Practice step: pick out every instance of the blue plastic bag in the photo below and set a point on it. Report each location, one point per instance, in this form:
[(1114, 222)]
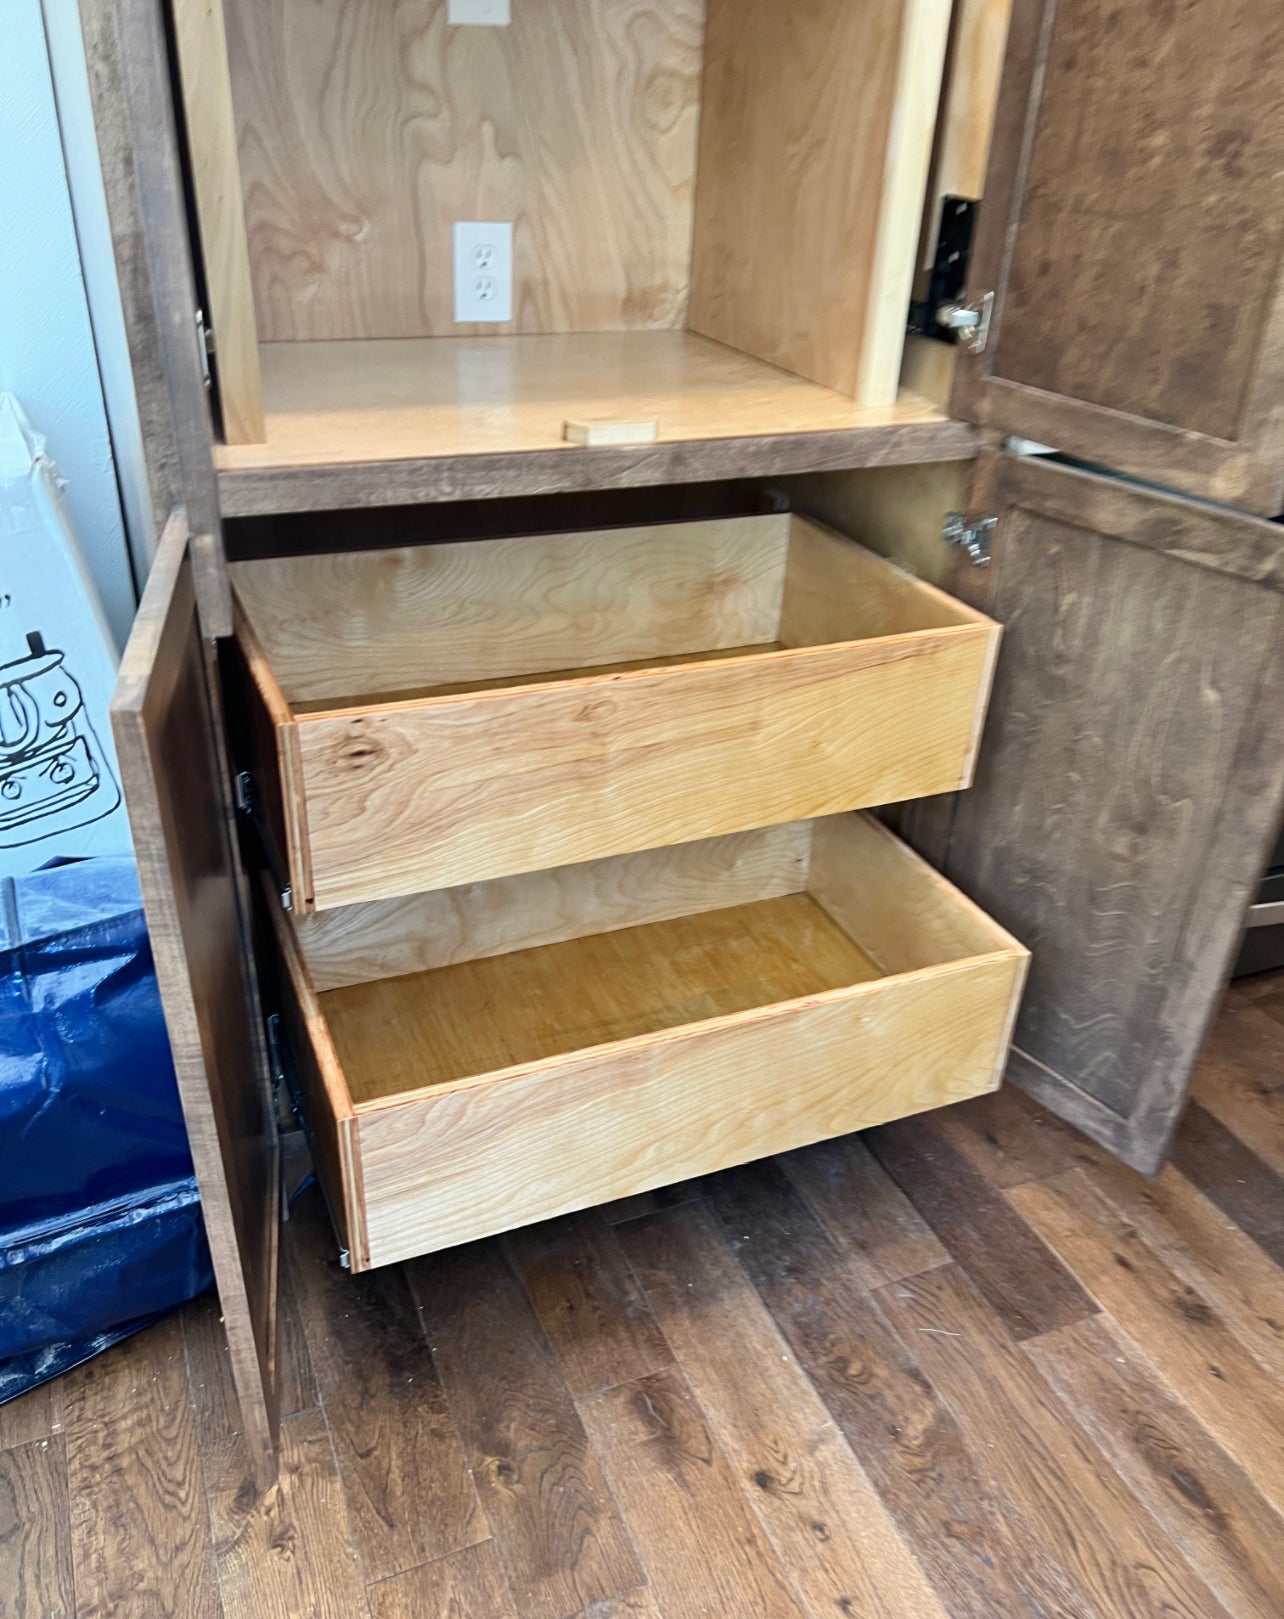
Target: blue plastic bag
[(100, 1223)]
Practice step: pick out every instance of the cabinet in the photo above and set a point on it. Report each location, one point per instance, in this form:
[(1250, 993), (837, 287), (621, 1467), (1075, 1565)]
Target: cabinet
[(562, 653)]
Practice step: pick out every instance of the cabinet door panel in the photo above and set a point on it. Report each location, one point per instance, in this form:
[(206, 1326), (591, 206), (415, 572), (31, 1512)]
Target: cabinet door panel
[(168, 742), (1129, 783), (1132, 231)]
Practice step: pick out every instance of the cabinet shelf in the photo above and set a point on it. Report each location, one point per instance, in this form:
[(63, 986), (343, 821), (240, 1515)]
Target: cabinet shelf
[(385, 422)]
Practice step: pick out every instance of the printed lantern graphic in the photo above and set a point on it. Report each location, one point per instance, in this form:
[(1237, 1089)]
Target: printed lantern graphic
[(53, 773)]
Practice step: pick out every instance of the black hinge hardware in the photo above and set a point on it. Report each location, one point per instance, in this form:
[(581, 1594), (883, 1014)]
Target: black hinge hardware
[(970, 534), (941, 313)]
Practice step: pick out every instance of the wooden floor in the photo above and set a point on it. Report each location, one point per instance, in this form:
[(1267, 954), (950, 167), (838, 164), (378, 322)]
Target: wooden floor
[(964, 1365)]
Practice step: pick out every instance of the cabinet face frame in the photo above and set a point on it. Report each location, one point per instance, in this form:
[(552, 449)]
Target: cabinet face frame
[(1246, 469)]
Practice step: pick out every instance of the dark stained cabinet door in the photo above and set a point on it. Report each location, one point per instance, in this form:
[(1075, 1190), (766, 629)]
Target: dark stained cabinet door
[(1130, 779), (171, 761), (1132, 232)]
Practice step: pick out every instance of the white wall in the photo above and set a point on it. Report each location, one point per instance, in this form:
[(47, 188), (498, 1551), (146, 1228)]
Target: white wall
[(47, 352)]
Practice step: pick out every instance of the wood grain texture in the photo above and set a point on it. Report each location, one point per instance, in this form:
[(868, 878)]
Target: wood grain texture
[(589, 1302), (1024, 1284), (819, 1510), (35, 1533), (453, 790), (468, 1584), (484, 418), (1239, 1076), (365, 135), (400, 1035), (106, 72), (386, 938), (167, 742), (405, 1479), (140, 1535), (1196, 1493), (1119, 1560), (1129, 783), (1007, 1138), (1192, 1348), (1183, 140), (32, 1416), (441, 1168), (665, 1465), (138, 50), (863, 1211), (468, 1077), (1245, 1188), (971, 1539), (210, 126), (833, 106), (287, 1549), (973, 64), (485, 610), (557, 1533)]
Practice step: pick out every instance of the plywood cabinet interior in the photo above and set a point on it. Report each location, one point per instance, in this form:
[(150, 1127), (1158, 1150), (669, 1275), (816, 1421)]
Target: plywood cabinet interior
[(755, 174)]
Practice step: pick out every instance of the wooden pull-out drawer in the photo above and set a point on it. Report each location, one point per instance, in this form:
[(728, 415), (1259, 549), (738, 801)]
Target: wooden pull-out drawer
[(478, 1058), (447, 714)]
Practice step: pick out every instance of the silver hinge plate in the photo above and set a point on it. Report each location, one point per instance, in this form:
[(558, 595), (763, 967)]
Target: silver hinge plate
[(970, 534), (204, 347), (970, 321), (244, 786)]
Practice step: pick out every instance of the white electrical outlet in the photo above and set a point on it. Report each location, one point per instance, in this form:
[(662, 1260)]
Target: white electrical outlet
[(489, 13), (483, 271)]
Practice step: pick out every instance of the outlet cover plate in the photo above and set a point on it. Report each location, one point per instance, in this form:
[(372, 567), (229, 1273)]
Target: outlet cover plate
[(483, 271), (488, 13)]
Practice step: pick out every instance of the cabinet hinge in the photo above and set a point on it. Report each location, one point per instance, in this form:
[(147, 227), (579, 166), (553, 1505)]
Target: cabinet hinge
[(970, 534), (204, 347), (244, 789), (970, 322)]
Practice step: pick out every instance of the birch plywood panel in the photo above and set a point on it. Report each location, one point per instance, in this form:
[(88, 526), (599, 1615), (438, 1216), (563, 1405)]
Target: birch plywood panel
[(366, 131), (815, 136)]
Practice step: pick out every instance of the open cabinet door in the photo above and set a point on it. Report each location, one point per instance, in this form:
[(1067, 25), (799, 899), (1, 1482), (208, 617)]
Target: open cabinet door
[(1132, 233), (1130, 779), (167, 740)]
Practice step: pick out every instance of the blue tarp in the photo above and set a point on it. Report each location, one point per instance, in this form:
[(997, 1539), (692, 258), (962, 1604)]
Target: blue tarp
[(100, 1223)]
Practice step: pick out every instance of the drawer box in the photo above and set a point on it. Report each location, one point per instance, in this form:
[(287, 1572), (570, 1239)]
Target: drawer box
[(475, 1059), (446, 714)]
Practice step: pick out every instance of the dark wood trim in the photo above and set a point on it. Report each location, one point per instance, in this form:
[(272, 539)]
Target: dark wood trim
[(541, 472), (128, 53), (1247, 471), (173, 770)]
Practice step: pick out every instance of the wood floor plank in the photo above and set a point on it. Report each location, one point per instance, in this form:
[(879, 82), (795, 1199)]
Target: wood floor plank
[(970, 1539), (140, 1535), (1171, 1323), (1204, 1501), (35, 1415), (821, 1513), (1082, 1511), (285, 1551), (639, 1604), (1241, 1184), (1265, 991), (1196, 1240), (689, 1519), (1006, 1136), (467, 1584), (403, 1470), (557, 1533), (35, 1532), (864, 1210), (1240, 1080), (640, 1203), (296, 1381), (588, 1300), (1025, 1284)]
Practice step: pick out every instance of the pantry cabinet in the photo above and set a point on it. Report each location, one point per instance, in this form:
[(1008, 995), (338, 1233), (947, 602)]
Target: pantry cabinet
[(518, 709)]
